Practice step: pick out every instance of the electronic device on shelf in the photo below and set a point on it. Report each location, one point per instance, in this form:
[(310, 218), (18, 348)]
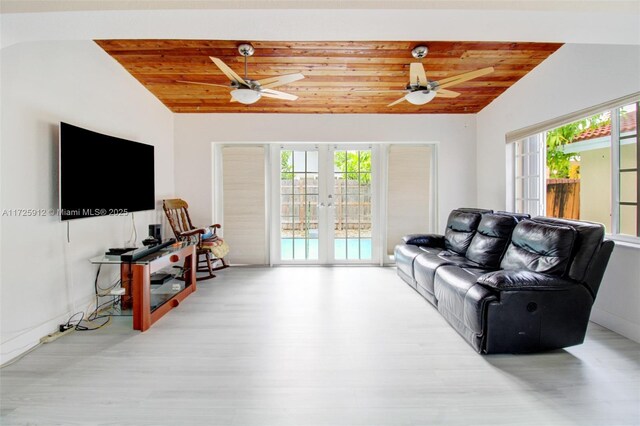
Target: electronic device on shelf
[(120, 250), (160, 278), (115, 253), (150, 242), (155, 235), (132, 256), (155, 231)]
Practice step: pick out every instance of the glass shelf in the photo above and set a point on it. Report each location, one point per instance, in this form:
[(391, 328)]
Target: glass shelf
[(162, 293), (145, 301)]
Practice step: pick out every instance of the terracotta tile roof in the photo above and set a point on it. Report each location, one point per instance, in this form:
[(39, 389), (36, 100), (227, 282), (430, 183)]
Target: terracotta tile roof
[(627, 124)]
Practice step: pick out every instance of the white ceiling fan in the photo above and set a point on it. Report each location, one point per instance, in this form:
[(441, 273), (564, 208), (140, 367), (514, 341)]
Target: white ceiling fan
[(246, 90), (420, 90)]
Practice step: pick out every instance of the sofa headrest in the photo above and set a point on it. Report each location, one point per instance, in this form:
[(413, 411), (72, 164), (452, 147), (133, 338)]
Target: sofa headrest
[(518, 216), (491, 240), (473, 210), (497, 225), (589, 237), (539, 247), (461, 227), (463, 220)]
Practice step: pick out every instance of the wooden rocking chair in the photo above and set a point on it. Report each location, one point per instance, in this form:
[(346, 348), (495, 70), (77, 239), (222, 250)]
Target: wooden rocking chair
[(209, 246)]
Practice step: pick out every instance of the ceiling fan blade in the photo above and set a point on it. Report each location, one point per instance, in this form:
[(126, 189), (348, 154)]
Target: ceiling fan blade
[(457, 79), (203, 84), (231, 74), (396, 102), (268, 93), (444, 93), (268, 83), (379, 91), (417, 75)]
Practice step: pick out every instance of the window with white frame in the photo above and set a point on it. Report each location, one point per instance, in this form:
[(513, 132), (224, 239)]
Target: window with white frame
[(529, 180), (585, 169)]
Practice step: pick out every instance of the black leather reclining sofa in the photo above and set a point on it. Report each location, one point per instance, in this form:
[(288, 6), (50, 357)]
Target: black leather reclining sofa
[(506, 282)]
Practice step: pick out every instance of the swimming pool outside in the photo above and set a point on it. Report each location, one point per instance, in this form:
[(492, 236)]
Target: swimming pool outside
[(344, 249)]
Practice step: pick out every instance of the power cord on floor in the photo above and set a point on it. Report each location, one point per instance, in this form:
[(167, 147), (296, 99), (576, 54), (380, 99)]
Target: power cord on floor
[(83, 324)]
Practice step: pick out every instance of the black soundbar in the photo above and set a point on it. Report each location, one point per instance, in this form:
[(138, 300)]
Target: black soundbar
[(132, 256)]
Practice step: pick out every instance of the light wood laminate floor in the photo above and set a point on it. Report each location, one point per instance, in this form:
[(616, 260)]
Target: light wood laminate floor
[(314, 346)]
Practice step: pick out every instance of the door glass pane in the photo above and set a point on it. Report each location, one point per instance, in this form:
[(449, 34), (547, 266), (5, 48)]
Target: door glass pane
[(340, 248), (299, 212), (299, 249), (286, 248), (352, 204), (353, 248), (365, 248), (299, 161)]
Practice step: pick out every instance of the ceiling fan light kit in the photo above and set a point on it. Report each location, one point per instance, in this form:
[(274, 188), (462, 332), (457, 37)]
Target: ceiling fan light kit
[(420, 97), (246, 96)]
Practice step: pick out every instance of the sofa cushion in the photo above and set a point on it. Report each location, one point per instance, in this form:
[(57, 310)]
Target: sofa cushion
[(539, 247), (588, 239), (405, 255), (458, 294), (491, 239), (461, 227), (425, 266)]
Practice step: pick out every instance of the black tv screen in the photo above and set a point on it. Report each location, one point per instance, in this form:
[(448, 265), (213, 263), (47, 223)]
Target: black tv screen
[(103, 175)]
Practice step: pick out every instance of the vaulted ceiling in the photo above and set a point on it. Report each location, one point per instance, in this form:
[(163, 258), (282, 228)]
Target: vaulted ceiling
[(336, 73)]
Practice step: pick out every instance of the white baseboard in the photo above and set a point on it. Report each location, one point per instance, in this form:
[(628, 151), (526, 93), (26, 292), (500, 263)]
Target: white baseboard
[(616, 324), (25, 340)]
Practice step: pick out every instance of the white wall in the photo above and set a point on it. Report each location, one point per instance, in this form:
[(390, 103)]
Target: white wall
[(573, 78), (194, 134), (44, 279), (604, 22)]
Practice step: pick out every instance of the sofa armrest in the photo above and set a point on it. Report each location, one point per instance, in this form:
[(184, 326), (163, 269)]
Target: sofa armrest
[(524, 280), (428, 240)]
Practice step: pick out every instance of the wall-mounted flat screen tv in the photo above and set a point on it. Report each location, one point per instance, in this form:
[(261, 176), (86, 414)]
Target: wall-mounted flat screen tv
[(103, 175)]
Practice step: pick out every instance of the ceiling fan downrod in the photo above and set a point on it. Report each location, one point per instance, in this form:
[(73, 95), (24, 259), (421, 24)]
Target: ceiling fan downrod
[(246, 50)]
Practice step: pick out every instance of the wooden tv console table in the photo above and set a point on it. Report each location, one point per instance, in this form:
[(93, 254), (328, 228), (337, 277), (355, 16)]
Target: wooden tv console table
[(148, 301)]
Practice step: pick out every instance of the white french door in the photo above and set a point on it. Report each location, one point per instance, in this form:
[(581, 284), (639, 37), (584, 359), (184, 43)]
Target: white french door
[(324, 204)]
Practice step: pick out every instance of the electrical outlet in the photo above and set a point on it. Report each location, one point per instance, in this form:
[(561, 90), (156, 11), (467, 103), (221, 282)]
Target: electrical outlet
[(55, 336)]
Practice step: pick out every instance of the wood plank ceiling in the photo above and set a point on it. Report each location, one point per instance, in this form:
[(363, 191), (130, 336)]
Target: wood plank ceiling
[(334, 72)]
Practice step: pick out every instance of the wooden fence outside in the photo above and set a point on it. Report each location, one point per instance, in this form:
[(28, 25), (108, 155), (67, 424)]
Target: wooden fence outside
[(563, 198), (348, 204)]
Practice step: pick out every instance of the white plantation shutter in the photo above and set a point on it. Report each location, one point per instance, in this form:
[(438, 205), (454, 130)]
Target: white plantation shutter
[(408, 192), (243, 169)]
